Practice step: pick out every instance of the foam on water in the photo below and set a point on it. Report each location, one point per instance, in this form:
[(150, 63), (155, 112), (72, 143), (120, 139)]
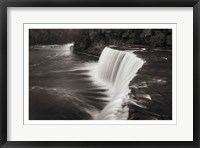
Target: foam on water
[(116, 69), (113, 72)]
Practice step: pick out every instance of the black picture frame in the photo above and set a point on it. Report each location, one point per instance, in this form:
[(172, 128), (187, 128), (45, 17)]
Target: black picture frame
[(4, 4)]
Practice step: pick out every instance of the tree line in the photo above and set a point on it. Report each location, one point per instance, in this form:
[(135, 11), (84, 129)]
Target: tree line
[(88, 38)]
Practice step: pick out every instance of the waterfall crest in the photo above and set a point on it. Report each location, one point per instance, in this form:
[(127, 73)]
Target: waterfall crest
[(116, 69)]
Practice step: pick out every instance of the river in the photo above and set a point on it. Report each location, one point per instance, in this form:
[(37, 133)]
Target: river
[(63, 85)]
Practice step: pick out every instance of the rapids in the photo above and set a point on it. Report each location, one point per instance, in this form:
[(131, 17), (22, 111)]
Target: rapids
[(133, 84)]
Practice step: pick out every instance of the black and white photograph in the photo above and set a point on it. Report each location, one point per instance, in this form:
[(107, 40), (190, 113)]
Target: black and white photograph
[(100, 74)]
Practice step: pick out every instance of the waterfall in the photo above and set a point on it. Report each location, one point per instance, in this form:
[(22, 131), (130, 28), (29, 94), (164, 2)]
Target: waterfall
[(116, 69), (70, 46)]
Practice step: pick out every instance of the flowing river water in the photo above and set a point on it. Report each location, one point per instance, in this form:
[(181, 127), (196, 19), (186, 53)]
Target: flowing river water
[(65, 85)]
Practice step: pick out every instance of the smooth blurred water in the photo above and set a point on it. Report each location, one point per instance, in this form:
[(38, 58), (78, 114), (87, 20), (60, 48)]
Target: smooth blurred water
[(116, 69), (62, 85)]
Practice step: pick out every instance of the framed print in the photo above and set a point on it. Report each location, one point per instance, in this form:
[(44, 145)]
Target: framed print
[(104, 73)]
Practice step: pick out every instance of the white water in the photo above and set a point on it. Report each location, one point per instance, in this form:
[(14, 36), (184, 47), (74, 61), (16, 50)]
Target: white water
[(88, 85), (116, 69)]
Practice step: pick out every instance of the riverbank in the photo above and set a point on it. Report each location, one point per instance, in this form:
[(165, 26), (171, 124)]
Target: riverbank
[(96, 51)]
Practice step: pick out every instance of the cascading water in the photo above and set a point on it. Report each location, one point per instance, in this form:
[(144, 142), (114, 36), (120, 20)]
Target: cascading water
[(70, 46), (116, 69), (67, 85)]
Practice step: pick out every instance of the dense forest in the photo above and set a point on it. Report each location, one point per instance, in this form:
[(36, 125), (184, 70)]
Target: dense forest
[(94, 39)]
